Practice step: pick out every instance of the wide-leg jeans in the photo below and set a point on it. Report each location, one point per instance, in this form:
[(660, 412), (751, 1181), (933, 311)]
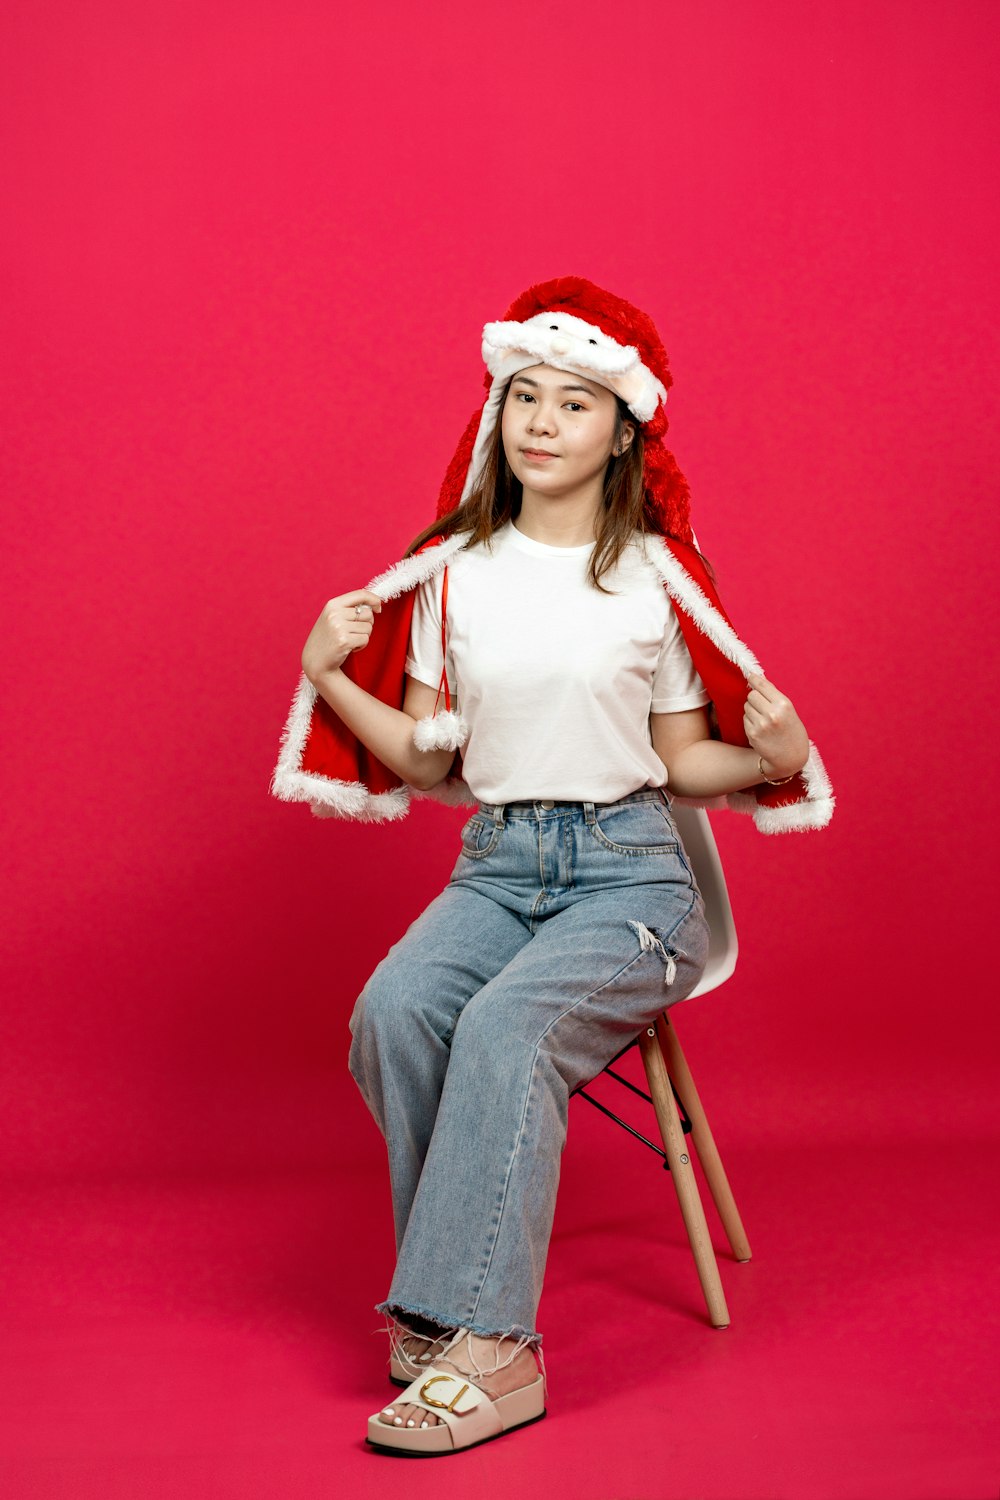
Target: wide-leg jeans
[(565, 927)]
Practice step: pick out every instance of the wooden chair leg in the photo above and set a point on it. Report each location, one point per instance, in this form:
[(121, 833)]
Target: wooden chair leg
[(704, 1143), (682, 1171)]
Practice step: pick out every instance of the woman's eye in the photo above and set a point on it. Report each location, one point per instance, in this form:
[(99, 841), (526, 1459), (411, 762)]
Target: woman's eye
[(577, 404)]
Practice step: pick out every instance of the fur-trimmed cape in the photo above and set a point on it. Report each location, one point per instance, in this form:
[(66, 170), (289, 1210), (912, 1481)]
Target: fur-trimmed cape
[(323, 763)]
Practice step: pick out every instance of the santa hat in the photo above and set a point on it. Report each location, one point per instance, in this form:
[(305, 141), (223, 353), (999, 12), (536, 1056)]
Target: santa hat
[(573, 325)]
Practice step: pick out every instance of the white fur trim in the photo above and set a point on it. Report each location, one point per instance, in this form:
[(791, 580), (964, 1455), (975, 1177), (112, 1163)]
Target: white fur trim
[(487, 422), (794, 817), (285, 779), (695, 602), (416, 568), (570, 343), (351, 799), (443, 731), (812, 811), (326, 796), (815, 809)]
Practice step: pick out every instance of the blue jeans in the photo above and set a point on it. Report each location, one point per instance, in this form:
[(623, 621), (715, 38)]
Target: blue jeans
[(565, 927)]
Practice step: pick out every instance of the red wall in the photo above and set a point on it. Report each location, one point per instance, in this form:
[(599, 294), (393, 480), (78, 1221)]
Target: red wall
[(250, 251)]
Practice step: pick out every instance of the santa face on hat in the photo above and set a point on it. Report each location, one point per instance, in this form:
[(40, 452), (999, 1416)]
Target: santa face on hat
[(574, 344), (560, 430)]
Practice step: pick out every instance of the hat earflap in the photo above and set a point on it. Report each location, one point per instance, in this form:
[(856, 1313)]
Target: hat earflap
[(453, 486), (666, 485)]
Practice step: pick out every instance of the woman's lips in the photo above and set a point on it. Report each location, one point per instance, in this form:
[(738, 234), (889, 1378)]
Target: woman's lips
[(537, 454)]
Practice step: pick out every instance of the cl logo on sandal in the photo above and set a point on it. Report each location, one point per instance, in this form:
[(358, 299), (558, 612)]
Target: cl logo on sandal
[(433, 1401)]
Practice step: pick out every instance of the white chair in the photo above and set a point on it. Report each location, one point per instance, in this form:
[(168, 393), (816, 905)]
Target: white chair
[(671, 1085)]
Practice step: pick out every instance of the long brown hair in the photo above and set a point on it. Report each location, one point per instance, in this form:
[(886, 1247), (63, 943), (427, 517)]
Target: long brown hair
[(496, 500)]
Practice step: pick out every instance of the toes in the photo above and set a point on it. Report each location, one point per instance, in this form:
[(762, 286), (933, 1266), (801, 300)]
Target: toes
[(403, 1414)]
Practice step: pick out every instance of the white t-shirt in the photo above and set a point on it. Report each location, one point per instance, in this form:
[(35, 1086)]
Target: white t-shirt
[(555, 679)]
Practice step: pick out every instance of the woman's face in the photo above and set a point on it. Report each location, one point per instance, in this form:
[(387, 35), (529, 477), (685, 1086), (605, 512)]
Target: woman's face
[(557, 429)]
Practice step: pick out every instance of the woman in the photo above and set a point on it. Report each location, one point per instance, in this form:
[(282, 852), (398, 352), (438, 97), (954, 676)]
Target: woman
[(560, 602)]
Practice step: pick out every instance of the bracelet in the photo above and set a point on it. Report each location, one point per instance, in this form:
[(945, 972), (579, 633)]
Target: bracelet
[(760, 767)]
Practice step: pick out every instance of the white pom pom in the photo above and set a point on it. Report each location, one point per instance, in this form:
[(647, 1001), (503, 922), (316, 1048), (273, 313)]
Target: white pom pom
[(443, 731)]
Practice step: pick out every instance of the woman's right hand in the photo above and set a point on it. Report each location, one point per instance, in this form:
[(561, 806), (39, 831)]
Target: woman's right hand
[(340, 629)]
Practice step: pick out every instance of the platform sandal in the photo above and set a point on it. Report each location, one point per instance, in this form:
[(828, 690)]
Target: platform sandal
[(467, 1416)]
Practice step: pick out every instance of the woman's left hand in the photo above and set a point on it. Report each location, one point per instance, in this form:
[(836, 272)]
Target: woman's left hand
[(774, 729)]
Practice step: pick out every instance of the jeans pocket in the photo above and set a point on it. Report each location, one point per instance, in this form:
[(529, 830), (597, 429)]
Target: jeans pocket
[(480, 837), (635, 828)]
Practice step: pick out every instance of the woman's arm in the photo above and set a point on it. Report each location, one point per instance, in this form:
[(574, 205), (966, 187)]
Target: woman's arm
[(387, 731), (698, 766), (345, 624)]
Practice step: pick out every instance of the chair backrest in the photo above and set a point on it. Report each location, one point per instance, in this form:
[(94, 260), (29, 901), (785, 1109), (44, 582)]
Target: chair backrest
[(699, 845)]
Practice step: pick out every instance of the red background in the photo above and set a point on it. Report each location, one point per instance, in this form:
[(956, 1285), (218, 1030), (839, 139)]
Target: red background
[(249, 254)]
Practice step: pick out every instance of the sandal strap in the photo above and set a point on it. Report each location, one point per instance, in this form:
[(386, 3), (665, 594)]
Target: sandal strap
[(454, 1399)]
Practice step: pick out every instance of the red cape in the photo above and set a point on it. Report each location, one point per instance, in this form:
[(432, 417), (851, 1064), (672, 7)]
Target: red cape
[(323, 763)]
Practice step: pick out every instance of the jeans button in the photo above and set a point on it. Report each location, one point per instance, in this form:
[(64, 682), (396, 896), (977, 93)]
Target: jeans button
[(547, 804)]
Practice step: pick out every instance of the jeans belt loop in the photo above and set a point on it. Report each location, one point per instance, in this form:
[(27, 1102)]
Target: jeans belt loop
[(588, 812)]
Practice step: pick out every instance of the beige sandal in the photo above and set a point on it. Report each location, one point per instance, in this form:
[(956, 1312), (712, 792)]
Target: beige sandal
[(467, 1415)]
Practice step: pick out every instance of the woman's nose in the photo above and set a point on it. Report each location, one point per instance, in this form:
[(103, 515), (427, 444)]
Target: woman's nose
[(542, 419)]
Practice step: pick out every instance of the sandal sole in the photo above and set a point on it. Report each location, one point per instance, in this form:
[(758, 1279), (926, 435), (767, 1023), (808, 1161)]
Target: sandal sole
[(435, 1442), (426, 1452)]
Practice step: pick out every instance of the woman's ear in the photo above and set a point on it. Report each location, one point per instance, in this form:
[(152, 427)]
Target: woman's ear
[(625, 441)]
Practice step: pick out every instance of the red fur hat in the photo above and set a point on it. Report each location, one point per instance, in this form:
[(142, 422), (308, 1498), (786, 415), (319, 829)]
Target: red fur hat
[(573, 325)]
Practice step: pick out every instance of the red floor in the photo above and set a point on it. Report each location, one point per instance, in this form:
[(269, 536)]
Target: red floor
[(215, 1338)]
